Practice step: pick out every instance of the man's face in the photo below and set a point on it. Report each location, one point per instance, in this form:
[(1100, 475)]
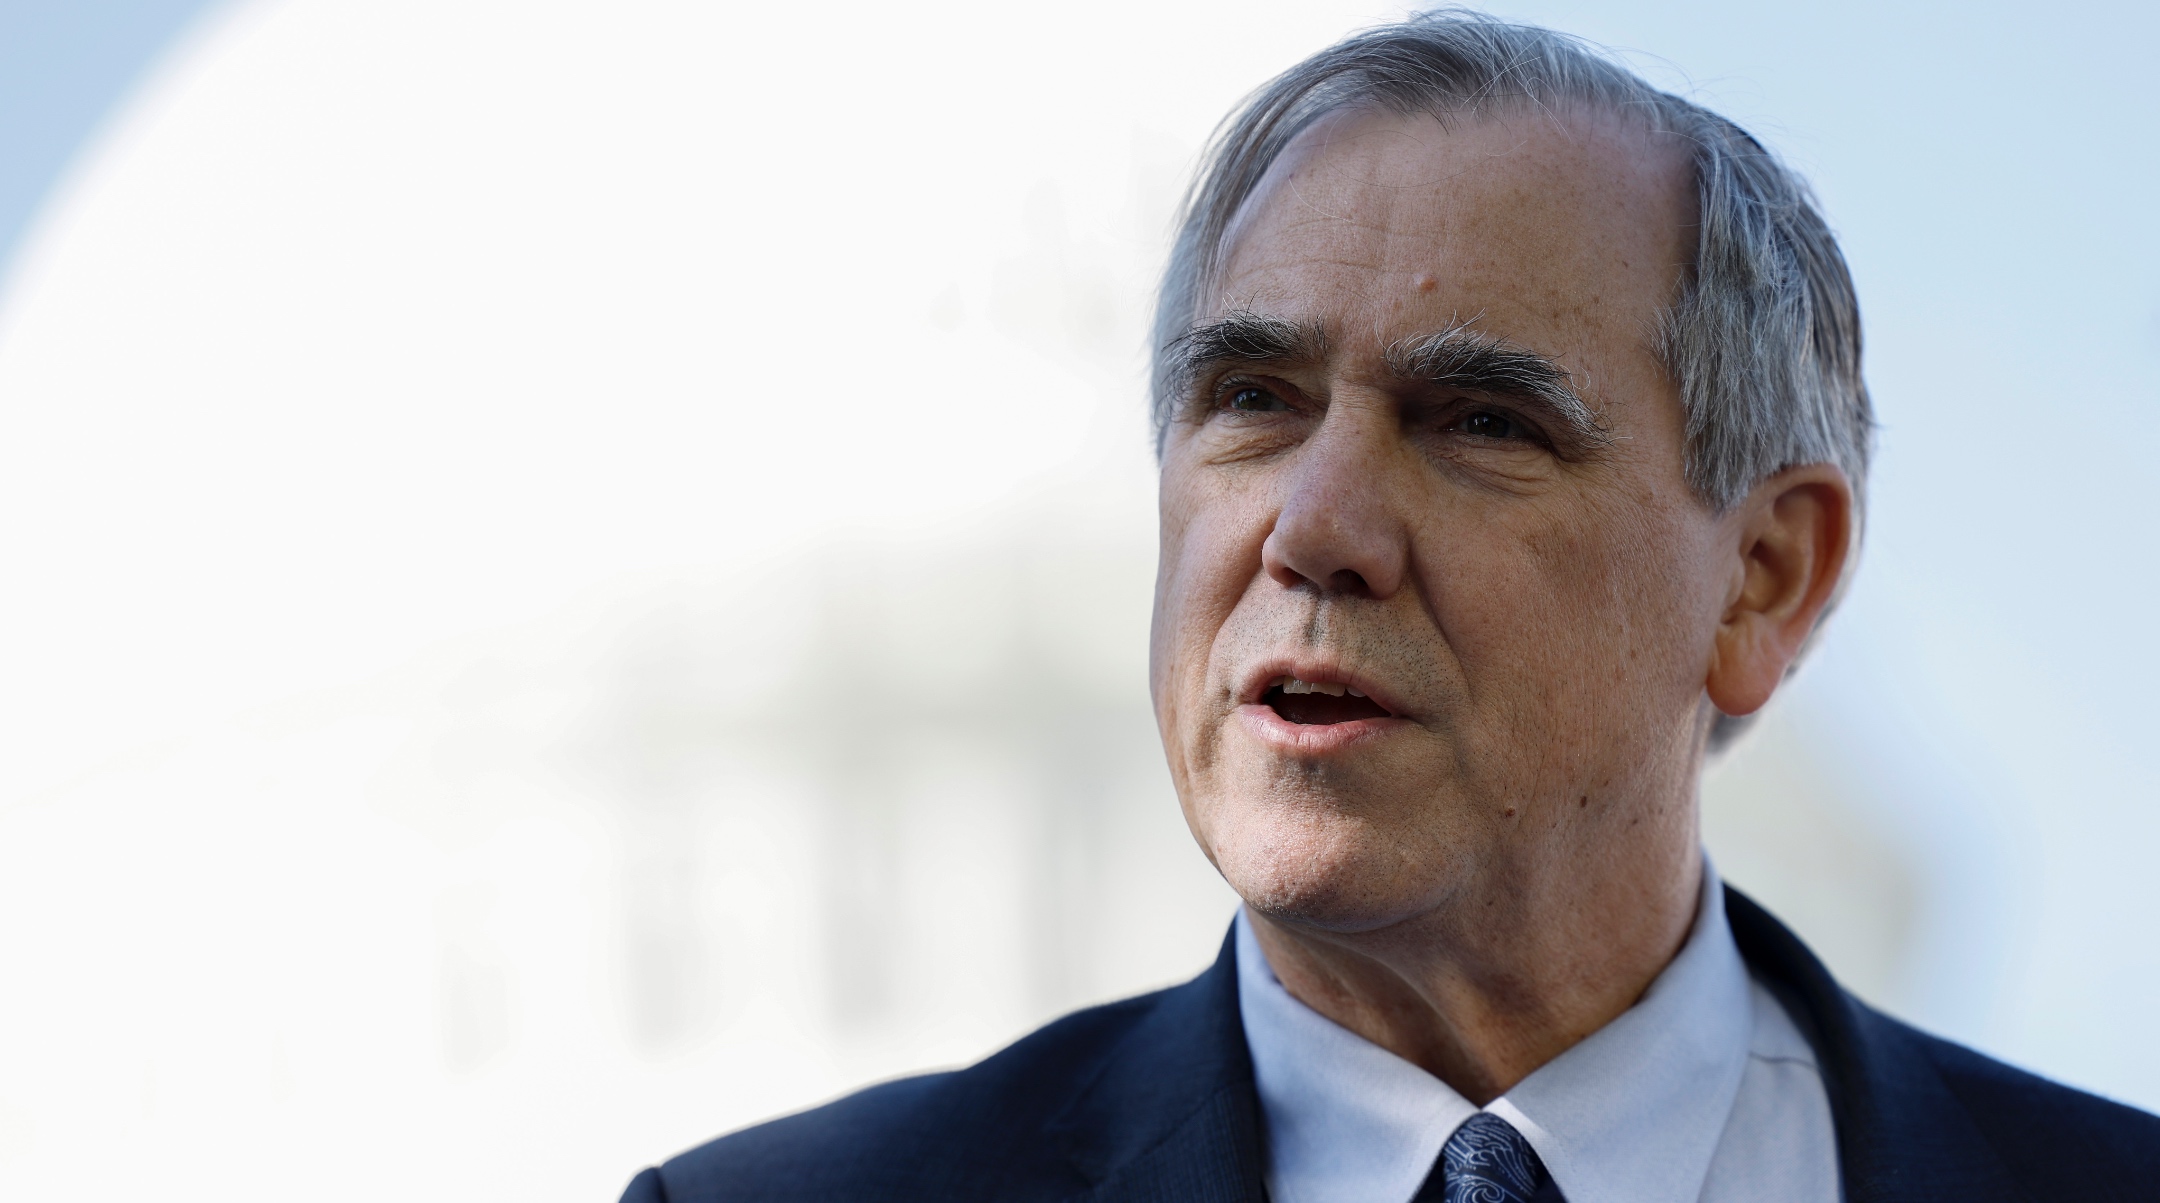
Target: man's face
[(1522, 587)]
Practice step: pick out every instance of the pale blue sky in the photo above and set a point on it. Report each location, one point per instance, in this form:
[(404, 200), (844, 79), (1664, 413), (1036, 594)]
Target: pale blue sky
[(63, 64)]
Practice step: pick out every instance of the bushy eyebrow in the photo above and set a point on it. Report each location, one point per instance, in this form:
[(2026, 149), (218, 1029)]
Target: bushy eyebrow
[(1457, 357), (1242, 337), (1460, 357)]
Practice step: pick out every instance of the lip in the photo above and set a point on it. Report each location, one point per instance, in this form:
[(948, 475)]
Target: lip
[(1253, 683), (1312, 739)]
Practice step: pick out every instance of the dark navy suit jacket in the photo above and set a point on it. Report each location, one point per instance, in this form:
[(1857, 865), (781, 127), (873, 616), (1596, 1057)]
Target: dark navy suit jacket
[(1153, 1099)]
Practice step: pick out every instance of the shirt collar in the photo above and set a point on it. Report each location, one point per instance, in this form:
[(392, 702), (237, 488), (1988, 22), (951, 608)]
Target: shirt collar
[(1633, 1113)]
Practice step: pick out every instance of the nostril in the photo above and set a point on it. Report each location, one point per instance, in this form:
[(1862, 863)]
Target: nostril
[(1349, 582)]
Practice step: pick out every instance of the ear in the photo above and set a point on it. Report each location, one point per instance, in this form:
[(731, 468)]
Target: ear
[(1791, 537)]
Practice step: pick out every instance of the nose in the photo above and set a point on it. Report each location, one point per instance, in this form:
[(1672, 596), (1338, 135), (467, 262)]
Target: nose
[(1336, 530)]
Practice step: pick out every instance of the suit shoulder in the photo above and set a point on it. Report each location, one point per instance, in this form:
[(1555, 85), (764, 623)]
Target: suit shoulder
[(2059, 1141), (935, 1136)]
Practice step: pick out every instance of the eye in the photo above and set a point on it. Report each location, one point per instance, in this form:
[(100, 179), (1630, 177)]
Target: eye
[(1486, 424), (1250, 399)]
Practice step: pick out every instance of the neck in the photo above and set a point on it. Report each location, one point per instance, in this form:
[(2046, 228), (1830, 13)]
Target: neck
[(1513, 970)]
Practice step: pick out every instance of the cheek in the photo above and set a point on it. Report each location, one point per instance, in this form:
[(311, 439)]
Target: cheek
[(1572, 621), (1208, 553)]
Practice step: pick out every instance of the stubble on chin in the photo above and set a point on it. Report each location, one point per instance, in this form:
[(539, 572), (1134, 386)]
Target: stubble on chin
[(1304, 855)]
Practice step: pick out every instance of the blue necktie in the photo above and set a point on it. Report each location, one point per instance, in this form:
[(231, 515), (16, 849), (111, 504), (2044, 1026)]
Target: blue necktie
[(1488, 1161)]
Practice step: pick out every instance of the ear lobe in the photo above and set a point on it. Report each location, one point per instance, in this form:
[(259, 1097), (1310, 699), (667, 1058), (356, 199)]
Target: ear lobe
[(1793, 534)]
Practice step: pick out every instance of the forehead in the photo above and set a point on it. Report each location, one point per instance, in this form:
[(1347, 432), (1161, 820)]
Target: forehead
[(1557, 231)]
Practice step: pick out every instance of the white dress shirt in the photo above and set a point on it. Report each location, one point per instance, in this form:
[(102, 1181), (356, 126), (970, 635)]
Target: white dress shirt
[(1702, 1092)]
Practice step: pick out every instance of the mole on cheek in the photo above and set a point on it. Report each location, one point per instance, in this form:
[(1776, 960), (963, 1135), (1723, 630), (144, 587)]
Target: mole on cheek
[(1426, 282)]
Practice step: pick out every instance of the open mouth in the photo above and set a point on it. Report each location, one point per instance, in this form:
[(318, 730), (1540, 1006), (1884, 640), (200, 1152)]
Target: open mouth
[(1319, 703)]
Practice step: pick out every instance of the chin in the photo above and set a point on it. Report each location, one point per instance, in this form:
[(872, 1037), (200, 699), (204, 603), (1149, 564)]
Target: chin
[(1330, 871)]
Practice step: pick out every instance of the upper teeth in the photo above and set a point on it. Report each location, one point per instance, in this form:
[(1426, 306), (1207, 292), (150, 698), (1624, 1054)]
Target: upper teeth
[(1330, 688)]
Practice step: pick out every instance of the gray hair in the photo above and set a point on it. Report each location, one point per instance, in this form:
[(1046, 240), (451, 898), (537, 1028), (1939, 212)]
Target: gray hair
[(1764, 340)]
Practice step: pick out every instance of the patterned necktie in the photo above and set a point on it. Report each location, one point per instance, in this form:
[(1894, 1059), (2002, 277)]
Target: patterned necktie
[(1488, 1161)]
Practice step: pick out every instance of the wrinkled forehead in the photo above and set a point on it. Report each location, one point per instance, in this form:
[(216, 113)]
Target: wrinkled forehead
[(1538, 218)]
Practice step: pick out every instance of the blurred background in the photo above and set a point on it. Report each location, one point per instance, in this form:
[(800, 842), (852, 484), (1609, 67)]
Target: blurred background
[(577, 573)]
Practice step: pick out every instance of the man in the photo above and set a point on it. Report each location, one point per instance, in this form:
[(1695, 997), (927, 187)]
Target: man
[(1513, 441)]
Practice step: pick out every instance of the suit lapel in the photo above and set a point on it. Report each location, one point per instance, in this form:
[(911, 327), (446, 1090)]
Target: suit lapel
[(1174, 1114), (1903, 1137)]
